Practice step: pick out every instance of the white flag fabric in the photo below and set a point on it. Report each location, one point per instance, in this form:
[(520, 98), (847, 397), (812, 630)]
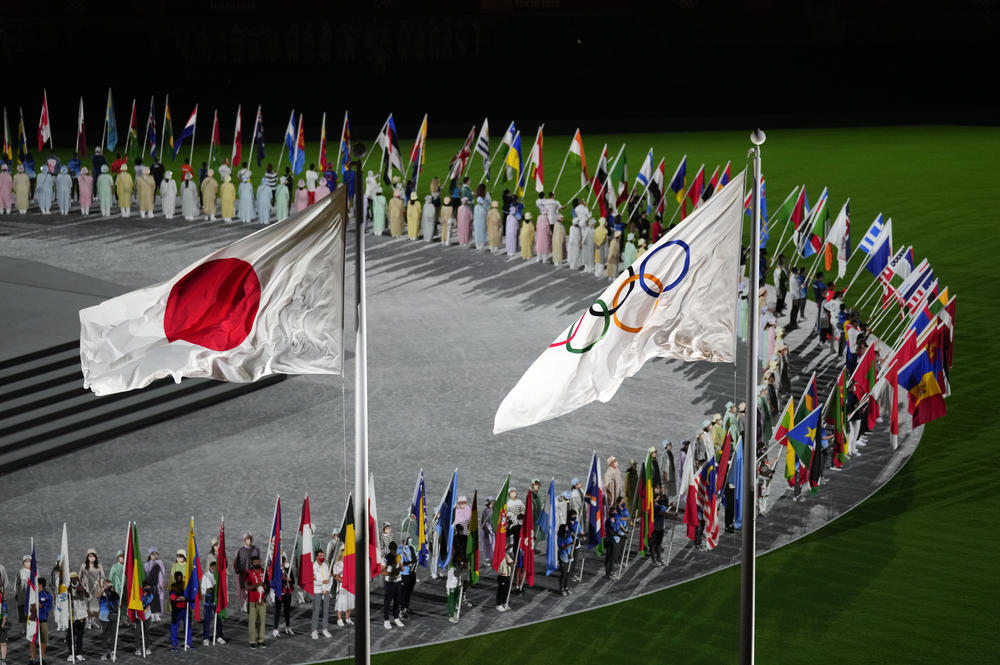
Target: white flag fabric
[(839, 236), (676, 301), (271, 302)]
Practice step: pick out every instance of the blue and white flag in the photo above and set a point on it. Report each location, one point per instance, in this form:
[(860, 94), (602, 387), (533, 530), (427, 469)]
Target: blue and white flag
[(445, 528), (645, 174), (871, 235), (290, 134), (881, 252), (187, 131)]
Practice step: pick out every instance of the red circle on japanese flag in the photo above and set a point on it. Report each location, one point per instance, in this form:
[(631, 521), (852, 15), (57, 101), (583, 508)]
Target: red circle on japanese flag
[(214, 305)]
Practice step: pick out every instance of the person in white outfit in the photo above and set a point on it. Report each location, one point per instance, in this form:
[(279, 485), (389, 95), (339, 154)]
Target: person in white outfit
[(322, 583)]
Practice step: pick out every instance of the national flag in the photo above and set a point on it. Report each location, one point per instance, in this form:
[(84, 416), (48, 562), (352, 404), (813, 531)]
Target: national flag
[(7, 150), (498, 520), (44, 126), (187, 131), (914, 280), (678, 182), (905, 353), (305, 555), (838, 416), (461, 158), (134, 576), (345, 146), (919, 377), (418, 152), (508, 136), (22, 139), (619, 177), (550, 526), (154, 145), (291, 135), (446, 522), (237, 155), (389, 140), (725, 176), (878, 257), (322, 144), (785, 424), (839, 238), (865, 373), (655, 199), (193, 572), (60, 606), (81, 133), (736, 479), (527, 544), (472, 542), (258, 136), (694, 191), (708, 501), (810, 397), (168, 127), (221, 577), (272, 560), (645, 523), (871, 237), (645, 174), (901, 264), (815, 235), (271, 302), (109, 121), (132, 143), (31, 598), (216, 145), (799, 208), (688, 492), (347, 537), (513, 163), (922, 320), (375, 553), (921, 287), (600, 181), (534, 170), (419, 509), (483, 145), (710, 186), (802, 437), (595, 507), (576, 149), (695, 321), (765, 232)]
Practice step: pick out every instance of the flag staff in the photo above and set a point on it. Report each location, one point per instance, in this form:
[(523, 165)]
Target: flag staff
[(128, 133), (193, 130), (104, 131), (253, 137), (362, 627), (145, 137), (563, 167), (749, 544), (340, 146), (215, 607), (118, 624), (496, 153), (163, 127)]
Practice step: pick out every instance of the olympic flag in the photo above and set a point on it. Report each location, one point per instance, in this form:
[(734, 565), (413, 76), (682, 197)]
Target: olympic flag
[(677, 301), (269, 303)]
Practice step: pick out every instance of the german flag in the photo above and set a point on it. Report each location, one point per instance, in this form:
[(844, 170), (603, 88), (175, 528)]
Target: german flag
[(135, 574), (347, 536)]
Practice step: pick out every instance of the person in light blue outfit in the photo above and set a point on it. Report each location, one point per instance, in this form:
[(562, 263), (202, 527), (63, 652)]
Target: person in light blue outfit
[(264, 203), (245, 196), (428, 219), (483, 201), (43, 190), (104, 193), (630, 253), (281, 199), (64, 190), (378, 211)]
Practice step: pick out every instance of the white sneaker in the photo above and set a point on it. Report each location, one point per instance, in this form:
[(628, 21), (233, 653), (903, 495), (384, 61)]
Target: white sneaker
[(275, 632), (219, 640), (399, 622), (314, 635), (205, 643), (80, 657), (340, 622), (138, 652), (501, 608), (326, 633), (288, 631), (349, 622), (388, 626)]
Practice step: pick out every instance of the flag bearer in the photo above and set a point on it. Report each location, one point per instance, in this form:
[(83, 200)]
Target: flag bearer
[(123, 187)]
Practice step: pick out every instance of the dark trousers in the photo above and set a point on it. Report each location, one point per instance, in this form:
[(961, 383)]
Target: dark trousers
[(779, 306), (283, 605), (107, 636), (793, 316), (211, 614), (656, 544), (409, 581), (177, 617), (76, 635), (730, 505), (563, 574), (609, 554), (392, 594), (503, 585)]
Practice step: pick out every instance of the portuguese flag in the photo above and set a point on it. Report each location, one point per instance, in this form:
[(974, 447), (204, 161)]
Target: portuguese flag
[(347, 536), (499, 523), (472, 542), (135, 575), (786, 423)]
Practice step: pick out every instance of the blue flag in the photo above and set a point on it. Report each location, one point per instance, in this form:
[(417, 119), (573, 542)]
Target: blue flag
[(446, 522), (595, 507), (258, 137), (109, 118), (273, 571), (549, 525), (736, 479)]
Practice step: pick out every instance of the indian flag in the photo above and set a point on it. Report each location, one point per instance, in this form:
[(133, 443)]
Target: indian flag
[(499, 523), (576, 150), (786, 423), (135, 575)]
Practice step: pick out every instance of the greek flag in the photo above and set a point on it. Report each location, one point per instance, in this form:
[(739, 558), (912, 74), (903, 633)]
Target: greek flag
[(870, 240), (483, 142)]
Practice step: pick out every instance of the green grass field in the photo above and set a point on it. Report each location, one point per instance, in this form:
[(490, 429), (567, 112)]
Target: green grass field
[(910, 575)]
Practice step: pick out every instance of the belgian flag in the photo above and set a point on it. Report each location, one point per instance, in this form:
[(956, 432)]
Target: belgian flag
[(347, 536)]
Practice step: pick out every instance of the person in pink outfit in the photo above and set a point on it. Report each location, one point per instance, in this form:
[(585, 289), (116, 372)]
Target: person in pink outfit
[(85, 183)]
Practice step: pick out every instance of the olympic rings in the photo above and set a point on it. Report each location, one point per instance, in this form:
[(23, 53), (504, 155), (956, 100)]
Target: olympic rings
[(600, 308)]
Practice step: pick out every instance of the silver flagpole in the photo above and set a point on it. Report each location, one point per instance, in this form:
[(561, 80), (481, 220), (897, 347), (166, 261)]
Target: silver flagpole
[(749, 545), (362, 627)]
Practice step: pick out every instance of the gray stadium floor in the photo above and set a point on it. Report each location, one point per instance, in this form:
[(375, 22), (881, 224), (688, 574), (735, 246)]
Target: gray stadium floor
[(450, 331)]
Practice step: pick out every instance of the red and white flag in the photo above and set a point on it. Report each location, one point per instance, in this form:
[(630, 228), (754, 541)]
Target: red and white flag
[(305, 562), (375, 553), (216, 138), (237, 144), (81, 136), (462, 158), (535, 163), (44, 127), (527, 543), (269, 303)]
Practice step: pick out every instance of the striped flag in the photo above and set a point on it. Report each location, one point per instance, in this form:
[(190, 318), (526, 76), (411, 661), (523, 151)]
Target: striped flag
[(472, 543), (304, 560), (871, 235), (347, 536), (322, 144), (44, 126), (81, 135), (31, 598), (193, 573), (419, 509), (132, 142), (135, 575), (535, 163), (678, 181), (498, 520), (656, 185), (272, 565), (8, 149), (711, 185), (694, 191), (418, 152), (508, 136), (300, 149), (645, 174), (576, 149), (513, 163), (881, 251), (389, 140), (600, 180), (708, 501), (186, 131), (168, 126), (483, 143), (345, 145), (237, 155), (461, 158)]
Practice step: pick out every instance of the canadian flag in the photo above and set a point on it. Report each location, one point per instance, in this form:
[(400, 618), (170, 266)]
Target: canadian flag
[(271, 302)]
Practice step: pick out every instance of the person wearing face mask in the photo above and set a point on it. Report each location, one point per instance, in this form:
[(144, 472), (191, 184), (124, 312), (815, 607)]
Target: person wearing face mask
[(284, 604), (322, 584), (301, 196), (78, 602), (168, 195), (256, 586)]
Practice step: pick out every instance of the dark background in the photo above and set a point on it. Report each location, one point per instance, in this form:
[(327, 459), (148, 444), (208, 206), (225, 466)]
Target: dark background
[(609, 65)]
